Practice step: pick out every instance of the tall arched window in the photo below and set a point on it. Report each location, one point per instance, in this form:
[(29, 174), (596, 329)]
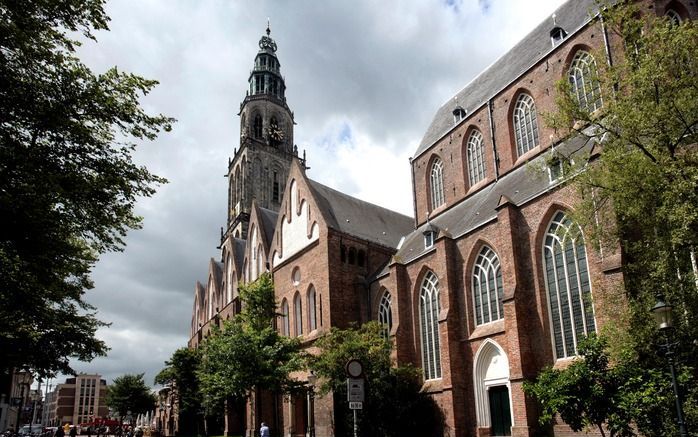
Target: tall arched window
[(285, 323), (584, 81), (257, 128), (569, 289), (487, 287), (229, 280), (437, 183), (674, 17), (429, 326), (312, 309), (525, 124), (298, 314), (385, 314), (476, 158)]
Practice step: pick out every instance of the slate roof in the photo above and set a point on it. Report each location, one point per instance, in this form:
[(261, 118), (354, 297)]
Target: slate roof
[(268, 222), (571, 16), (359, 218), (239, 251), (518, 186)]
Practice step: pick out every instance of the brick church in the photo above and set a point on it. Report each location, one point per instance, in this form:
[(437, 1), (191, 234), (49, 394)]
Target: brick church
[(486, 285)]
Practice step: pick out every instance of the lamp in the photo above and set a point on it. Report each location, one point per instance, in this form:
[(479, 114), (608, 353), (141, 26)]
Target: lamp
[(661, 311)]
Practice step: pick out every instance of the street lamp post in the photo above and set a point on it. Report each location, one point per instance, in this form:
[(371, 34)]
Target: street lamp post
[(662, 315)]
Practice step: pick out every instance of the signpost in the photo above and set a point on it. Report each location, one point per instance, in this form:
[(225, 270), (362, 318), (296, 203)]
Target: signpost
[(355, 388)]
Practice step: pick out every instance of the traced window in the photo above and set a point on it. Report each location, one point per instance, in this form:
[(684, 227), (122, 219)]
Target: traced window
[(674, 17), (298, 313), (257, 127), (429, 326), (385, 314), (525, 124), (584, 81), (437, 184), (487, 287), (569, 289), (312, 309), (285, 323), (476, 158)]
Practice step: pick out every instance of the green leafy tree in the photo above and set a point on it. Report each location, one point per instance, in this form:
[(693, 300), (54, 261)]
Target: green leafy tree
[(393, 404), (179, 375), (248, 353), (67, 180), (612, 399), (639, 193), (129, 393)]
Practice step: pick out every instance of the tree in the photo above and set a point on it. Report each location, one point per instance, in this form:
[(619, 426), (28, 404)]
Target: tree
[(591, 393), (393, 403), (639, 193), (67, 180), (179, 375), (129, 393), (248, 353)]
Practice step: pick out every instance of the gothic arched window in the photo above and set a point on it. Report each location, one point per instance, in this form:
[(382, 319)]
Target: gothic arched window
[(584, 81), (674, 17), (312, 309), (385, 314), (487, 287), (476, 158), (257, 128), (437, 183), (229, 276), (525, 124), (429, 326), (569, 290), (285, 323), (298, 314)]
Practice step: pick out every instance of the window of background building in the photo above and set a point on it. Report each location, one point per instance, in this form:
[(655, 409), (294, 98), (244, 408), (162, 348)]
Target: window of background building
[(429, 326), (487, 287), (584, 81), (437, 184), (385, 314), (525, 124), (476, 158)]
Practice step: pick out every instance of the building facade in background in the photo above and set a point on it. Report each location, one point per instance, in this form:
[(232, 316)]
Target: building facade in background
[(490, 281), (79, 400)]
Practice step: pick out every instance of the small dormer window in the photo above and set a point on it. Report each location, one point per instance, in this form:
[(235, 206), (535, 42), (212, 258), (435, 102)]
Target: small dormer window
[(428, 239), (458, 114), (556, 167), (557, 35)]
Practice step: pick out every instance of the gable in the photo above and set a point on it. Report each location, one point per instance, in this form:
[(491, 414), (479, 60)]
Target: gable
[(296, 230)]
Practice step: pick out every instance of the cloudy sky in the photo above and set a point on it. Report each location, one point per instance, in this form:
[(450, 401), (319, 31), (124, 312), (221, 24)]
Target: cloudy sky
[(364, 79)]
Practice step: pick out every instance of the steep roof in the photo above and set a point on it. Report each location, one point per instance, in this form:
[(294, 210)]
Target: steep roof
[(359, 218), (535, 46), (517, 187), (267, 219)]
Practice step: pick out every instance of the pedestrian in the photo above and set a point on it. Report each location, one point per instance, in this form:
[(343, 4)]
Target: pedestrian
[(264, 430), (59, 432), (89, 431), (73, 431)]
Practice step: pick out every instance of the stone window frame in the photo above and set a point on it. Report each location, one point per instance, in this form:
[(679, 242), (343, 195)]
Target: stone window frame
[(475, 155), (568, 285), (525, 124), (429, 308), (298, 314), (582, 76), (436, 179), (487, 266)]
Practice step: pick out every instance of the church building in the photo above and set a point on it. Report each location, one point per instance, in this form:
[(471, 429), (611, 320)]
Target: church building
[(487, 284)]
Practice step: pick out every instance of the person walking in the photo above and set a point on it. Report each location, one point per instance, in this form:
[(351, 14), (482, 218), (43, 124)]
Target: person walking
[(59, 432), (73, 431), (264, 430)]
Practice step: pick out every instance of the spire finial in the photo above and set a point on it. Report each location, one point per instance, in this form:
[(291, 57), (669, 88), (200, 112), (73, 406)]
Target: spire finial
[(268, 27)]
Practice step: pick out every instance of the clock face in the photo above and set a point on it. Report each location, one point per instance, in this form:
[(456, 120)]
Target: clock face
[(354, 368)]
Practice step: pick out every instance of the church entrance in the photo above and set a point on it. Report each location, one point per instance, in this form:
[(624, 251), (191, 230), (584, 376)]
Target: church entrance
[(500, 413)]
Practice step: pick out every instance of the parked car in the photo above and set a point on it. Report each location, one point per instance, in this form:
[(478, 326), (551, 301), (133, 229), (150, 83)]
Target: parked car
[(31, 430)]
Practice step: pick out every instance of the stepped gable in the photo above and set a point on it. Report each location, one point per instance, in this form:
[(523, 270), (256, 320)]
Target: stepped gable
[(519, 187), (571, 16), (359, 218)]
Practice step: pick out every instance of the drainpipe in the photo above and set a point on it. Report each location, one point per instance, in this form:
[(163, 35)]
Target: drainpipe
[(494, 145)]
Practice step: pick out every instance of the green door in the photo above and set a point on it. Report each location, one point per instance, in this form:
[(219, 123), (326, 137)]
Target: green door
[(500, 413)]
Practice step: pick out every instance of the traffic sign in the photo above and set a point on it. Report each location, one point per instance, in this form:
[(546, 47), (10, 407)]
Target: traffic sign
[(356, 405), (355, 390)]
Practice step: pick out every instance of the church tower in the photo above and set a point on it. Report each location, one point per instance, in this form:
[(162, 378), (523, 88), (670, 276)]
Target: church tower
[(259, 167)]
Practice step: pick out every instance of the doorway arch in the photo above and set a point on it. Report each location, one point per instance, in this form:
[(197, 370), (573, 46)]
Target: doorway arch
[(492, 388)]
